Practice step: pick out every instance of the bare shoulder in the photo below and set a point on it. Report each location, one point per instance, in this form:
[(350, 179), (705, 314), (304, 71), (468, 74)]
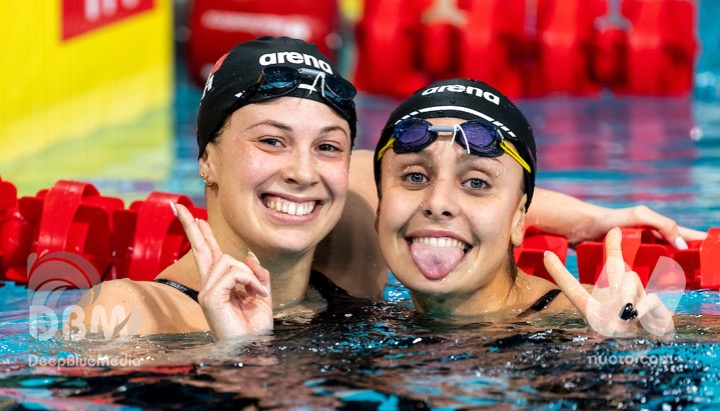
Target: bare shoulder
[(138, 307), (538, 288)]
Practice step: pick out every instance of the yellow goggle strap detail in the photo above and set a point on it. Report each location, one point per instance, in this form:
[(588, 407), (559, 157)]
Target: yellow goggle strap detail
[(510, 150), (385, 148), (505, 147)]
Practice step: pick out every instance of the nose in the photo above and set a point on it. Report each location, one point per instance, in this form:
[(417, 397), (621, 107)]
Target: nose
[(441, 202), (301, 170)]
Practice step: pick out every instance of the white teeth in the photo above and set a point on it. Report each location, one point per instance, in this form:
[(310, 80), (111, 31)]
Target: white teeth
[(440, 242), (289, 207)]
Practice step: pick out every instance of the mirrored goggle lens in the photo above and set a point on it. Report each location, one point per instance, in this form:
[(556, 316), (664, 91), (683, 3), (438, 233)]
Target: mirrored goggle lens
[(412, 135), (481, 136), (278, 80)]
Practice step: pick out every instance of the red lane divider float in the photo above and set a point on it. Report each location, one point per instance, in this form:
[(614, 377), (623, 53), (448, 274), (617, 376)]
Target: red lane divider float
[(10, 237), (528, 48), (148, 237), (71, 216), (135, 243), (141, 241), (531, 253), (641, 251)]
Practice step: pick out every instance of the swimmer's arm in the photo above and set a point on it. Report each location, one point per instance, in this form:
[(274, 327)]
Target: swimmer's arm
[(579, 221), (105, 309), (125, 307), (350, 255)]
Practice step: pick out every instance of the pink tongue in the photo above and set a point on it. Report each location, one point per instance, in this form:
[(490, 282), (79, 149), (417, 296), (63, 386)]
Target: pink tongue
[(435, 262)]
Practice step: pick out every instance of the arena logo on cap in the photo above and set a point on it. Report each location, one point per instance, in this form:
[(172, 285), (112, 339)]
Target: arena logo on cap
[(459, 88), (295, 58)]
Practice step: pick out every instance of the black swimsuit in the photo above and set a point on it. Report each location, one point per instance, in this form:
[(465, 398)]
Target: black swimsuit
[(336, 295), (318, 281), (542, 302)]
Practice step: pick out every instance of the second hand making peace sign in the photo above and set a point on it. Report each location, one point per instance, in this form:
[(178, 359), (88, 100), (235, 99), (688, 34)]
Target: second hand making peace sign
[(621, 307), (229, 310)]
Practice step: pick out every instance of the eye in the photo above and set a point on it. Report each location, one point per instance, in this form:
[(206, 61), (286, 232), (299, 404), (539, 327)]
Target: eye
[(414, 178), (476, 183), (328, 147), (272, 142)]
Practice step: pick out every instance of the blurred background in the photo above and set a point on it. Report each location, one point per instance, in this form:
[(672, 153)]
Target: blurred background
[(105, 91)]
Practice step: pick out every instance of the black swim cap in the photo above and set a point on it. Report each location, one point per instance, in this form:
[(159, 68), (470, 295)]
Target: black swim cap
[(469, 100), (238, 70)]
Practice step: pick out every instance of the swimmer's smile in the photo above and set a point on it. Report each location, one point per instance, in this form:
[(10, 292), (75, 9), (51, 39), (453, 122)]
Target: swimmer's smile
[(290, 207)]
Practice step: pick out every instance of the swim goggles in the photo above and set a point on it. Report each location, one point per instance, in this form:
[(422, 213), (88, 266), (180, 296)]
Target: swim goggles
[(478, 137), (277, 81)]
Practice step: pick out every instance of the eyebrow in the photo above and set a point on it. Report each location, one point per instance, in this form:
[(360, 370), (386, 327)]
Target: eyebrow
[(464, 157), (287, 128), (271, 123)]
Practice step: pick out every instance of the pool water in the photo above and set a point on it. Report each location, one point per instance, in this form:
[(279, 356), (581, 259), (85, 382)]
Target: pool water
[(611, 150)]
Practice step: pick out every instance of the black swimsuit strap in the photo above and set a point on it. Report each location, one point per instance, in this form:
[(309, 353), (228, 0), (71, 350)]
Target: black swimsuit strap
[(185, 290), (325, 286), (318, 281), (542, 302)]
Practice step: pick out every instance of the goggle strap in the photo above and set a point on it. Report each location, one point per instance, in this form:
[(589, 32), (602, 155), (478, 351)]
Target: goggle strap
[(467, 143), (514, 154), (385, 148), (320, 76)]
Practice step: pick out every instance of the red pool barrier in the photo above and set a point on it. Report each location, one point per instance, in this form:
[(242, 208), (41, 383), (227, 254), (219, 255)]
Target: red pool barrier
[(148, 237), (530, 255), (218, 25), (71, 216), (641, 251), (566, 38), (10, 241), (387, 48), (661, 46)]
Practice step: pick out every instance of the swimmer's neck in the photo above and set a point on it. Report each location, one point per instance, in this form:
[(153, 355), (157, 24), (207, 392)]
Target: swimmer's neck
[(289, 279), (495, 296)]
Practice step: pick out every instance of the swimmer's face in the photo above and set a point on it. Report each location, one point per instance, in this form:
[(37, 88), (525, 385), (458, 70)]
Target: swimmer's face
[(280, 170), (447, 219)]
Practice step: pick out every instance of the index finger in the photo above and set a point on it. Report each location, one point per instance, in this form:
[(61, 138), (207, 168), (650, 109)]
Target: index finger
[(614, 263), (573, 290), (200, 249)]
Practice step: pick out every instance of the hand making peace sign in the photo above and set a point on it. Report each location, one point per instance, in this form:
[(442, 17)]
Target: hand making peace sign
[(621, 307), (230, 311)]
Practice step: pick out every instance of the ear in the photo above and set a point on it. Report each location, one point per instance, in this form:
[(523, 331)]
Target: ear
[(208, 164), (518, 222)]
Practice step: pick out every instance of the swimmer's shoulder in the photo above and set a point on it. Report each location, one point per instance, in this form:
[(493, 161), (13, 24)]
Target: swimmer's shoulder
[(156, 308), (540, 289)]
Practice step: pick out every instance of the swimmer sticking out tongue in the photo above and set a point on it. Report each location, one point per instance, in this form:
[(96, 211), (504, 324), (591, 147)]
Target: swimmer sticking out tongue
[(436, 257)]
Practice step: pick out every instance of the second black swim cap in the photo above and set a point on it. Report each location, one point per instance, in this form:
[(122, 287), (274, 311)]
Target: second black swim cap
[(469, 100)]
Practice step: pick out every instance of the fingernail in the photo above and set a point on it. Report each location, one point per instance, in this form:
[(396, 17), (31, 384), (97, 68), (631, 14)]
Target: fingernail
[(253, 256), (546, 253), (680, 244), (267, 293), (174, 209), (634, 314), (627, 312)]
